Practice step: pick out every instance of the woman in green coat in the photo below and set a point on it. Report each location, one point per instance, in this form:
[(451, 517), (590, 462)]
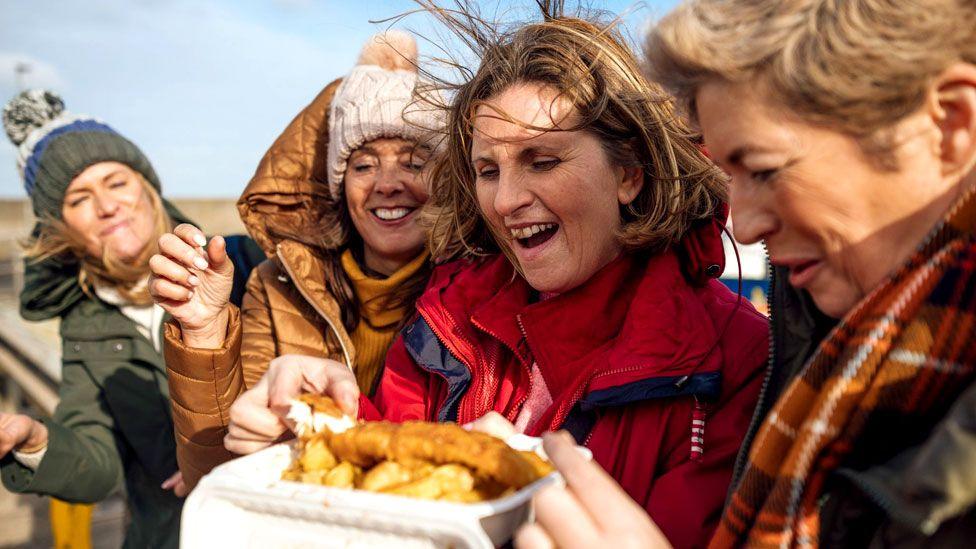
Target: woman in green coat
[(100, 214)]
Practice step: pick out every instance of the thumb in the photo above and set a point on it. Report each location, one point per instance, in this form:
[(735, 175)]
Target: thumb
[(217, 255)]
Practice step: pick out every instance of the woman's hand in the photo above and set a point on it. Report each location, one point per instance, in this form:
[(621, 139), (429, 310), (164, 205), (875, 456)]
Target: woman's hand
[(21, 433), (176, 484), (590, 511), (257, 416), (193, 284)]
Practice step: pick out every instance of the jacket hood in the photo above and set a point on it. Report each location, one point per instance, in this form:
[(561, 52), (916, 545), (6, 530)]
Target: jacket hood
[(289, 192), (51, 286)]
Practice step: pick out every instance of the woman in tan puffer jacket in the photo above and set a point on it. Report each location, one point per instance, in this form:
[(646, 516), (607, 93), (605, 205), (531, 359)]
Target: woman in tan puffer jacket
[(335, 204)]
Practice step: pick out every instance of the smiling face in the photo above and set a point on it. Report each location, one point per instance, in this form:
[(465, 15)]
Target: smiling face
[(384, 192), (826, 211), (108, 208), (551, 198)]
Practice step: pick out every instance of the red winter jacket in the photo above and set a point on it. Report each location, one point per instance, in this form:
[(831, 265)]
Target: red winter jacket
[(626, 357)]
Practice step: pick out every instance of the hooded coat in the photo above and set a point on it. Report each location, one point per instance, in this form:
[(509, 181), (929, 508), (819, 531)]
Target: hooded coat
[(634, 360), (287, 308), (112, 427)]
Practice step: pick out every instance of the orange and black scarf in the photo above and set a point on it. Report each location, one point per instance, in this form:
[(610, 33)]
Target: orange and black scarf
[(904, 354)]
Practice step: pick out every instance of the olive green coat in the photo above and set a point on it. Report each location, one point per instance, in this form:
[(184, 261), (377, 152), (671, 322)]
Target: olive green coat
[(113, 424)]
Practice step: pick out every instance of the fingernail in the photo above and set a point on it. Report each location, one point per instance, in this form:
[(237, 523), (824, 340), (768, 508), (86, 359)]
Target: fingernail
[(189, 295), (200, 263), (200, 240), (193, 280), (467, 426)]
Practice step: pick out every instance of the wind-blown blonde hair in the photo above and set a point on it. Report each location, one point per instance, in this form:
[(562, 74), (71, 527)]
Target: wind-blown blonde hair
[(858, 66), (55, 238), (588, 63)]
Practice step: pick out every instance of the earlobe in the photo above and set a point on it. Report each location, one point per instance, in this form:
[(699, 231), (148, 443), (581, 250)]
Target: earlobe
[(630, 185)]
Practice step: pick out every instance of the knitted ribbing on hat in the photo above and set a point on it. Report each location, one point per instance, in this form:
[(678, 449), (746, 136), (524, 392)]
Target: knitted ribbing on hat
[(54, 146), (377, 100)]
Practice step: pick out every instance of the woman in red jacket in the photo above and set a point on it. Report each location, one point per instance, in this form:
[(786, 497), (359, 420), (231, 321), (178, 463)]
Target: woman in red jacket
[(585, 226)]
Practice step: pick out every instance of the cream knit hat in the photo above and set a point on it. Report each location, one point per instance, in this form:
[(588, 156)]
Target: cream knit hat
[(377, 100)]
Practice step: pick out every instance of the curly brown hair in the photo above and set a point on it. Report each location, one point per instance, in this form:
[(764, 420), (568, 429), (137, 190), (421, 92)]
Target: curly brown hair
[(589, 64)]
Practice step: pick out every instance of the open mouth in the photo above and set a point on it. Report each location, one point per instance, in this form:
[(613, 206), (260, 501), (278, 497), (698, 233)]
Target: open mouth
[(534, 235), (391, 214)]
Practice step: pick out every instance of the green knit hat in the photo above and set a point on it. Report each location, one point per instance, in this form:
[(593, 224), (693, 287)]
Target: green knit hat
[(54, 146)]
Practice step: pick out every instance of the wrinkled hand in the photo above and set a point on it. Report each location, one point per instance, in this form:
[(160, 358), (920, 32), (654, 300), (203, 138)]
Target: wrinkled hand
[(257, 416), (590, 511), (176, 484), (193, 284), (20, 432)]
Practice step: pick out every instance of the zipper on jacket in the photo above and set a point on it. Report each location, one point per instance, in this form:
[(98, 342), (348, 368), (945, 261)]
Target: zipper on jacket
[(759, 414), (494, 359), (440, 336), (315, 305)]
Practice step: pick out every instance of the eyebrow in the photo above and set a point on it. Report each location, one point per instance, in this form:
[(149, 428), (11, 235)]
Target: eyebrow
[(523, 155), (111, 174)]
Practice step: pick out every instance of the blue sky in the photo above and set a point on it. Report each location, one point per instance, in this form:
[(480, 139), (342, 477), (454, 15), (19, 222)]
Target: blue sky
[(203, 87)]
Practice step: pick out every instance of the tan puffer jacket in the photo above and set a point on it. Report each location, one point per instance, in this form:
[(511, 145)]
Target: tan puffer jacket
[(287, 308)]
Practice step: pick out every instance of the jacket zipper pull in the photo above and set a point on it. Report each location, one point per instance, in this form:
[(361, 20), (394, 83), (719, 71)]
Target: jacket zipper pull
[(698, 431)]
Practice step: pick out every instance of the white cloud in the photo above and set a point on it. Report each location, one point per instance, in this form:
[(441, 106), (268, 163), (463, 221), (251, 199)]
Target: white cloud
[(39, 74)]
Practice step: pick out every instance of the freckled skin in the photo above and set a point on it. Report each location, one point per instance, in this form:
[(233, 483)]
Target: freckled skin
[(529, 176)]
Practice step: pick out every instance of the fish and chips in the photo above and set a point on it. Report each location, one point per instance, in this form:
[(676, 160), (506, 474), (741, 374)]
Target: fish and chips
[(437, 461)]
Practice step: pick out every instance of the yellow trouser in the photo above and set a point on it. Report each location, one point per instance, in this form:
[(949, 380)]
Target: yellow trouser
[(71, 524)]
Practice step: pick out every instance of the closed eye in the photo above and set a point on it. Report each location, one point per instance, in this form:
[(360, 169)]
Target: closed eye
[(764, 176), (545, 165), (488, 173)]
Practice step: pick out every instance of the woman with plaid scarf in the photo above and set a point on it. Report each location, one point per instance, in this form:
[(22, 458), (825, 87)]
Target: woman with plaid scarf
[(848, 130)]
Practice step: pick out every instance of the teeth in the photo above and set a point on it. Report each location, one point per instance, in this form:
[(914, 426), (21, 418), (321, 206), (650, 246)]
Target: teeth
[(526, 232), (391, 214)]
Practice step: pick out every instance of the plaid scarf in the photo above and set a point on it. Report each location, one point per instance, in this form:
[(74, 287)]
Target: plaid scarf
[(902, 355)]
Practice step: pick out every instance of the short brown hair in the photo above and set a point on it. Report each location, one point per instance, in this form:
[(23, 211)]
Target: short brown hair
[(855, 65), (587, 62)]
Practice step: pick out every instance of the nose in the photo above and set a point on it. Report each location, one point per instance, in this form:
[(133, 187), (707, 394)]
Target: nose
[(511, 194), (390, 179), (753, 212), (105, 204)]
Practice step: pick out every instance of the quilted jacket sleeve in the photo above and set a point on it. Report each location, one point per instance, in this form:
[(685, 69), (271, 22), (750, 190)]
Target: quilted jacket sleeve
[(203, 383)]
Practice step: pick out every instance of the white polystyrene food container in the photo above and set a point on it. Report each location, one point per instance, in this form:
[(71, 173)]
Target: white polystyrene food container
[(244, 503)]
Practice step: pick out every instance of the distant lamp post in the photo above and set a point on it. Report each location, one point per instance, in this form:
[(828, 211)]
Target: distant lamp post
[(22, 69)]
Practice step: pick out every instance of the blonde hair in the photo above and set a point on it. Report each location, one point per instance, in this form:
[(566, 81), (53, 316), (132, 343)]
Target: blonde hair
[(858, 66), (55, 238), (588, 64)]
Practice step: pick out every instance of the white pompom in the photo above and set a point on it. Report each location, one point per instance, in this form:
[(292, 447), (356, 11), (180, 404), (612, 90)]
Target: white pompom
[(28, 111)]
